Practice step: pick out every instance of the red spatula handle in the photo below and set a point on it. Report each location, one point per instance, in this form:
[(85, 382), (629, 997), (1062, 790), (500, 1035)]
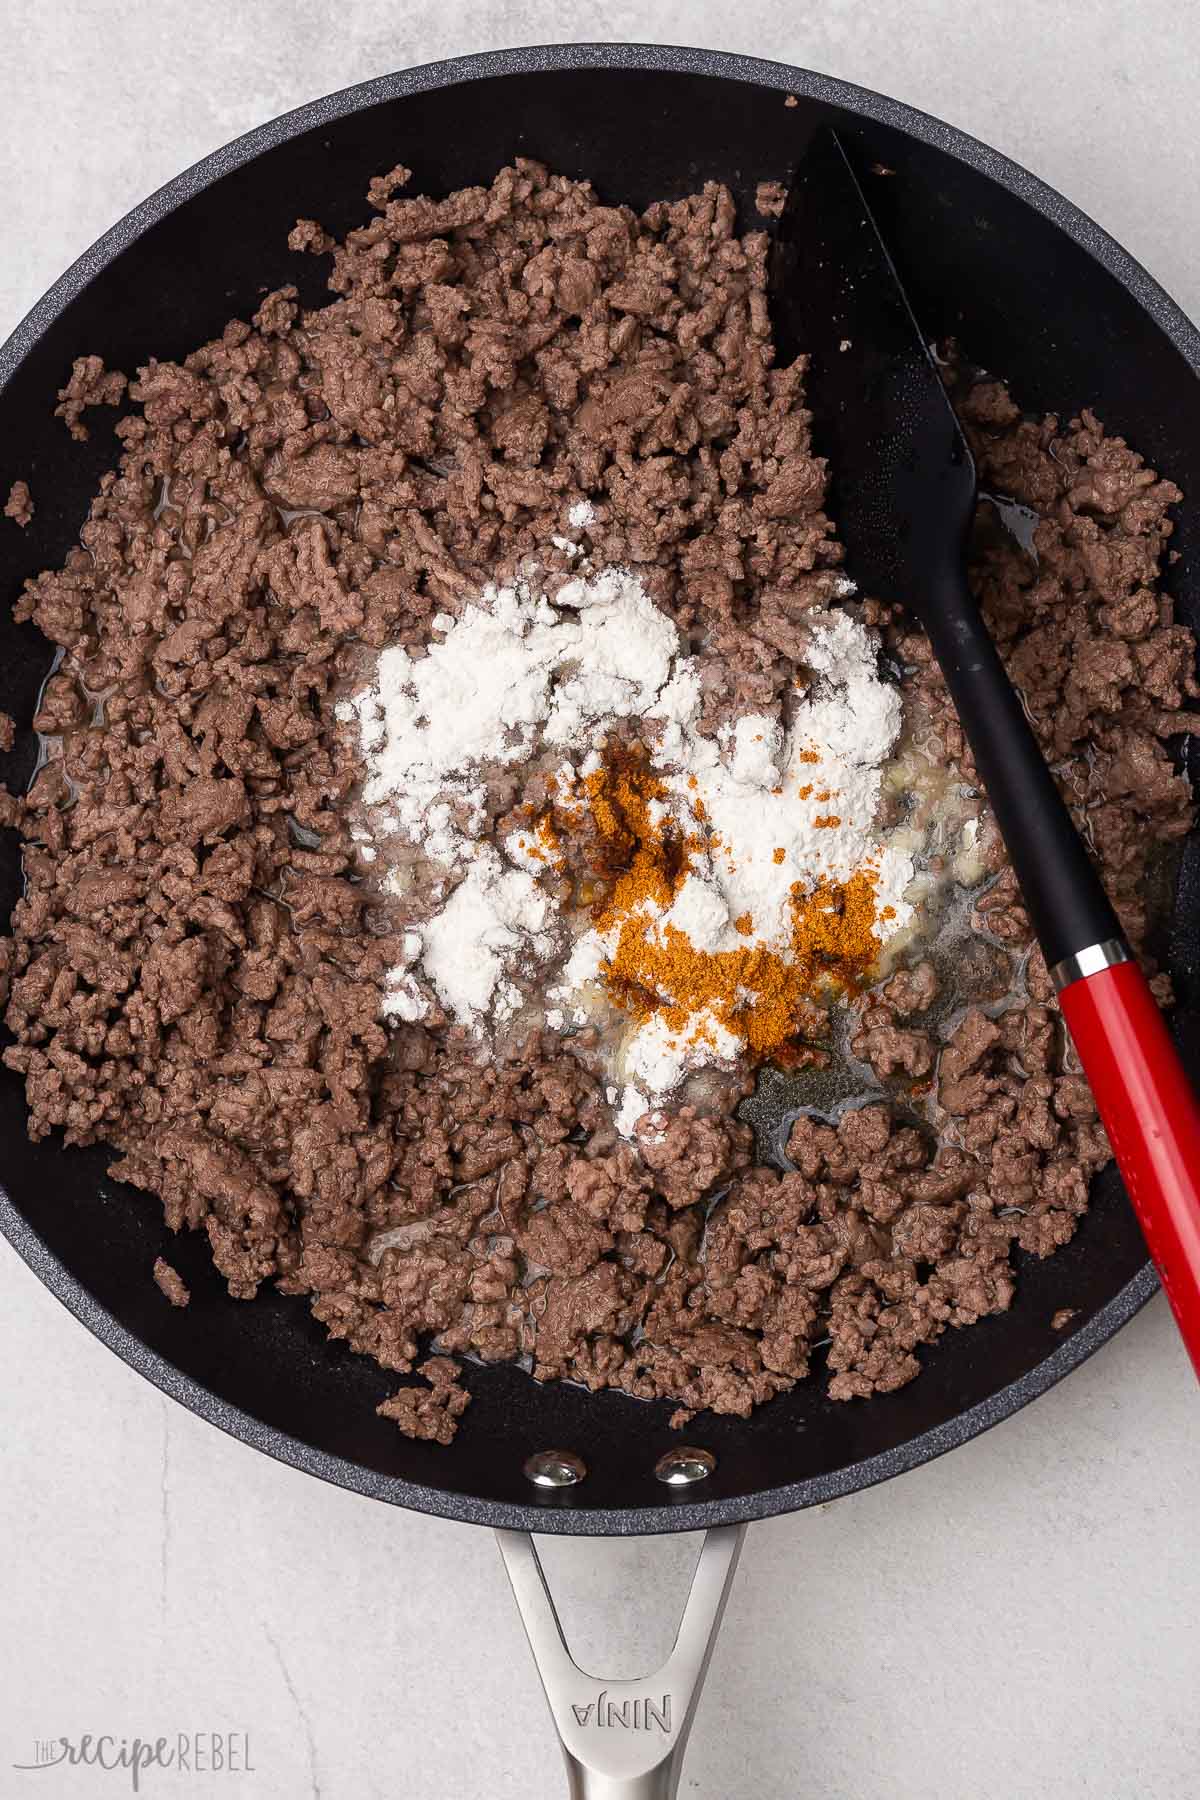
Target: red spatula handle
[(1153, 1122)]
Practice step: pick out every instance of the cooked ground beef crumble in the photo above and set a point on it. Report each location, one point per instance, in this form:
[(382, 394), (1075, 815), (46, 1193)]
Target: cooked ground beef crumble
[(171, 1283), (19, 505), (194, 971)]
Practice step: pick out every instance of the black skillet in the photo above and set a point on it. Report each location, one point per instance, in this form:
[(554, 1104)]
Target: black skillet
[(1033, 290)]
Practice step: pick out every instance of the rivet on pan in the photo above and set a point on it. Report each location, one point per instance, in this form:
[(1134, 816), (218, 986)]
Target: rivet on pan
[(683, 1466), (555, 1469)]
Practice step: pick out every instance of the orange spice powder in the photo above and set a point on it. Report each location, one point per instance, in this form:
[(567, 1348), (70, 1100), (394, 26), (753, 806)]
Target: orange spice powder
[(754, 992), (541, 842), (644, 858), (639, 855)]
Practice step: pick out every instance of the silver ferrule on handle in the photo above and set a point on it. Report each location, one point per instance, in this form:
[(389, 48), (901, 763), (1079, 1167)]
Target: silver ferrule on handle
[(1089, 961), (624, 1740)]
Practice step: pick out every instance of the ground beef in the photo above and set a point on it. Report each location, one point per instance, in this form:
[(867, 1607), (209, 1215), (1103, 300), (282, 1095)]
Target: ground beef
[(770, 198), (19, 505), (911, 990), (430, 1412), (1107, 675), (91, 384), (884, 1044), (195, 965), (171, 1283)]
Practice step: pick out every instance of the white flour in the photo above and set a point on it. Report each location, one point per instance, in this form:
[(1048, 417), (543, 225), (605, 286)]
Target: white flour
[(785, 801), (510, 676), (810, 791), (785, 807), (507, 677), (485, 935)]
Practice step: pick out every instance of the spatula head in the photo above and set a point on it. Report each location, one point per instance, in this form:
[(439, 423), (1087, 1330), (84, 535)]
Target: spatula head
[(902, 489)]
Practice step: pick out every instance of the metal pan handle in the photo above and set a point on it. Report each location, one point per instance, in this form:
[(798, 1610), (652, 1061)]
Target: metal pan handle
[(624, 1740)]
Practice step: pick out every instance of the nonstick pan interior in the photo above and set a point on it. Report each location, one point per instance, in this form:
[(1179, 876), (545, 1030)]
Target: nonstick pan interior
[(1032, 291)]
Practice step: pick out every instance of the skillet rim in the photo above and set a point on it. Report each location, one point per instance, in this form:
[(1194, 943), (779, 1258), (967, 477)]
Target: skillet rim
[(577, 1519)]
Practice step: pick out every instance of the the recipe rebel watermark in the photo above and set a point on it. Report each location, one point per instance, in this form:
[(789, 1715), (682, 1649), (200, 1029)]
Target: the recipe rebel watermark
[(182, 1752)]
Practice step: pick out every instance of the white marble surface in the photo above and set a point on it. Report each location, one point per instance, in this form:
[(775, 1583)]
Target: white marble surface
[(1022, 1618)]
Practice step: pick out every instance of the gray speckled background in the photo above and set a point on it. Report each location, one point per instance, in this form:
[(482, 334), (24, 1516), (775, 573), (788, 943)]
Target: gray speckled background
[(1020, 1618)]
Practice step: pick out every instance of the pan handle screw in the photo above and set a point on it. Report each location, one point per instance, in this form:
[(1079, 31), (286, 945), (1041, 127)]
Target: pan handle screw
[(555, 1469), (683, 1466)]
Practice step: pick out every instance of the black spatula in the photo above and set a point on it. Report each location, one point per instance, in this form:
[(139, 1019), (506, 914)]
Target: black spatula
[(903, 495)]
